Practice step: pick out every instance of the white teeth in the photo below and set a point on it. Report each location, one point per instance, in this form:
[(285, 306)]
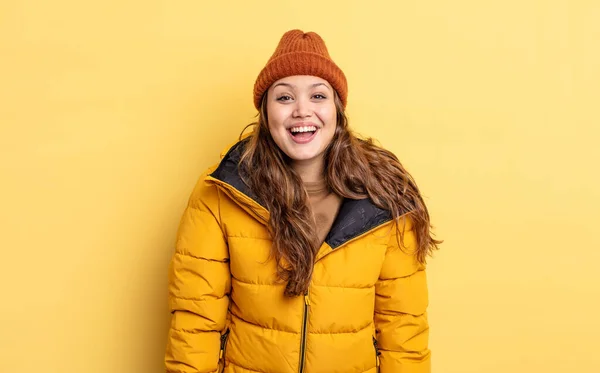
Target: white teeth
[(304, 129)]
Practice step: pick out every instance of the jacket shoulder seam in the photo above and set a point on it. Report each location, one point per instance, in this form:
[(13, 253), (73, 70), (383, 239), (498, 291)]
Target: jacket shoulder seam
[(180, 253), (198, 299)]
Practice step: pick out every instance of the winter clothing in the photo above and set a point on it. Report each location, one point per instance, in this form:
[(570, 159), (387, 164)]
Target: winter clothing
[(365, 310), (300, 53)]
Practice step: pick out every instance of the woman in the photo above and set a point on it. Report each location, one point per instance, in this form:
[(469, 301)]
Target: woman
[(304, 249)]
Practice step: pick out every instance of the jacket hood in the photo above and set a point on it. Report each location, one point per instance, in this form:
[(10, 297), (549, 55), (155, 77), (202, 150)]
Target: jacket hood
[(355, 217)]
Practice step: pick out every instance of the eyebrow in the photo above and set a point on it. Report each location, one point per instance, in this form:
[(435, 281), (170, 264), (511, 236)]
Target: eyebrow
[(294, 87)]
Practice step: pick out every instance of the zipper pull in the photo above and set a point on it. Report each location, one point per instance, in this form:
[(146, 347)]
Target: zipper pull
[(307, 299), (377, 353), (223, 340)]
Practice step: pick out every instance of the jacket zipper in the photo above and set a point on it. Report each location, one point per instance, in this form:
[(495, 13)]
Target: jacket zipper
[(224, 338), (303, 336), (377, 353)]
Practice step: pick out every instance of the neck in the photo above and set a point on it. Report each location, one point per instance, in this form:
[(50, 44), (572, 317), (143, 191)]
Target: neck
[(310, 170)]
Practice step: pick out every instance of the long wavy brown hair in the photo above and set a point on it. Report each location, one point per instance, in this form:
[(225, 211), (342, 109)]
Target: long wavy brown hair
[(354, 168)]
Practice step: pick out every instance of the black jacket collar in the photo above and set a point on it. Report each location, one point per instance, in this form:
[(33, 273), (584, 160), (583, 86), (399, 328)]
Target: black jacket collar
[(354, 218)]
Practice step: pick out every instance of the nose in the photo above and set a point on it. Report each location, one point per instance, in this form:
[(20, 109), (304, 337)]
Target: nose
[(302, 109)]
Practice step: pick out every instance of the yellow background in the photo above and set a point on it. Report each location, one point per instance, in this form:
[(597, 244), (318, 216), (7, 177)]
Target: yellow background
[(110, 110)]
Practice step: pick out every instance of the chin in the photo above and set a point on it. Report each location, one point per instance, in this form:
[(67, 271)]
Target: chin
[(299, 156), (302, 156)]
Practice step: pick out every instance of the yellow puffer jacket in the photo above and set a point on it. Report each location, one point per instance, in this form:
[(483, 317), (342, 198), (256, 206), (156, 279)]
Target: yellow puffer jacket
[(365, 310)]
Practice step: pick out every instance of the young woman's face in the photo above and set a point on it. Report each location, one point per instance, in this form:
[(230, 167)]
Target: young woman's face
[(302, 116)]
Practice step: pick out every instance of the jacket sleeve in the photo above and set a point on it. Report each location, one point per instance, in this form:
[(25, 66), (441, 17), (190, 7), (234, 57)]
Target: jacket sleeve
[(400, 309), (199, 286)]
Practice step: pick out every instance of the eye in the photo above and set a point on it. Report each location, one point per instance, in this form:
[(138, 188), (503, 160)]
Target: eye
[(284, 98), (319, 96)]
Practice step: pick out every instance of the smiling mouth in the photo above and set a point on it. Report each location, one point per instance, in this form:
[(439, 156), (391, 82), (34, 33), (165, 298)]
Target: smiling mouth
[(299, 131), (303, 134)]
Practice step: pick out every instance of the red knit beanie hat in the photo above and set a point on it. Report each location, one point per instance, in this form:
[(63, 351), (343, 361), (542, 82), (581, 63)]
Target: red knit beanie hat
[(300, 53)]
